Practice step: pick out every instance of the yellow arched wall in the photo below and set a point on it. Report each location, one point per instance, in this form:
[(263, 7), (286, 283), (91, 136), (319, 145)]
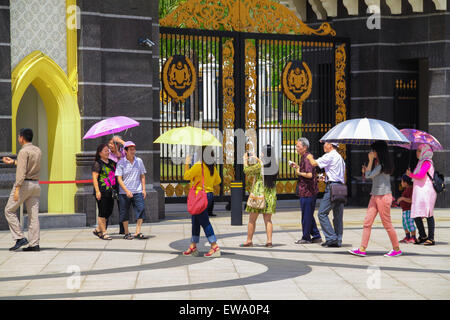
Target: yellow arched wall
[(64, 125)]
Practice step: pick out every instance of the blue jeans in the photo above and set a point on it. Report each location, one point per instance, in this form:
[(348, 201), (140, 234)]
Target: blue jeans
[(138, 206), (309, 226), (202, 220), (331, 234)]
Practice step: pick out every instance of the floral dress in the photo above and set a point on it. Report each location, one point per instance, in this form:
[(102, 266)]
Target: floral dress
[(259, 188)]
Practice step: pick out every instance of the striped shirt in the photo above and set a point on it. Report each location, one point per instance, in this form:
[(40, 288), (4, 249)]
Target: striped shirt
[(131, 174)]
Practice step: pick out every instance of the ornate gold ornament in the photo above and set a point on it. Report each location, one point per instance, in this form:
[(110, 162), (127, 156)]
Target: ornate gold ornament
[(289, 187), (170, 190), (239, 15), (297, 82), (179, 77), (228, 115), (341, 91), (280, 187), (179, 190), (250, 85)]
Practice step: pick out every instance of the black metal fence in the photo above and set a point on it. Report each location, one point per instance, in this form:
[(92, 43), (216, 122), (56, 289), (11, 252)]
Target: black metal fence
[(243, 81)]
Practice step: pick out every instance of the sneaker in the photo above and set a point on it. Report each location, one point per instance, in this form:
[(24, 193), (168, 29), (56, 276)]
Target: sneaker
[(302, 241), (358, 252), (411, 240), (19, 243), (405, 240), (317, 240), (394, 253)]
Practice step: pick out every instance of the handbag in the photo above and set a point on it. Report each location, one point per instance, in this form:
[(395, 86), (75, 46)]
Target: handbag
[(338, 193), (197, 202), (438, 181), (256, 201)]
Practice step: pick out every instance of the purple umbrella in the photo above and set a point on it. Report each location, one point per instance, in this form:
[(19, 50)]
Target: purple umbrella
[(110, 126), (418, 137)]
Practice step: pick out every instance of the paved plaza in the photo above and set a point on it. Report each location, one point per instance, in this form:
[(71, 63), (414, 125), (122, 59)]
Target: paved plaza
[(74, 264)]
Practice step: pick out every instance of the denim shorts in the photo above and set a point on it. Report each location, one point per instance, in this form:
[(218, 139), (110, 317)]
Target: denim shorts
[(138, 206)]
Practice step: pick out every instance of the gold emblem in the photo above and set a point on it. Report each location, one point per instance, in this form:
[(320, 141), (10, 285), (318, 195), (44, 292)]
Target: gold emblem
[(179, 77), (297, 82)]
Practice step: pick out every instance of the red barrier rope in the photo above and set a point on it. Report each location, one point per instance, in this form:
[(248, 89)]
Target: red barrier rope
[(65, 182)]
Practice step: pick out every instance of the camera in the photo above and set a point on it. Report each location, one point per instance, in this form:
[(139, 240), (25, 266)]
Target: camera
[(146, 42)]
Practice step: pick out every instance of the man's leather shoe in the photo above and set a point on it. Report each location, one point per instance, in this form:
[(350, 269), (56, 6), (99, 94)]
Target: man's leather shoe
[(19, 243), (316, 240), (35, 248), (333, 244), (325, 244)]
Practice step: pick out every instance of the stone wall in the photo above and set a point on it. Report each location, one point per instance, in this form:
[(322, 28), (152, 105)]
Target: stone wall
[(118, 77), (7, 173)]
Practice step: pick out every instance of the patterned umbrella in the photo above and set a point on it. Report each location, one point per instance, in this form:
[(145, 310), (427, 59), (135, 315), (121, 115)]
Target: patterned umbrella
[(110, 126), (417, 137), (363, 132)]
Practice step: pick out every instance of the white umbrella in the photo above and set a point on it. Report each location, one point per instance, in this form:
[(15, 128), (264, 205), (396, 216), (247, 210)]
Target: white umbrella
[(364, 131)]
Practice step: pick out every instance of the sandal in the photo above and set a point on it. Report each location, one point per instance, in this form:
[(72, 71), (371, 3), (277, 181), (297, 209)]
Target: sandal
[(215, 252), (420, 240), (97, 233), (268, 245), (105, 236), (140, 236), (191, 252), (248, 244), (128, 236), (429, 242)]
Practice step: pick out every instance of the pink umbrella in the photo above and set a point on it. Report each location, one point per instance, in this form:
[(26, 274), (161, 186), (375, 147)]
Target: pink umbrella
[(110, 126), (418, 137)]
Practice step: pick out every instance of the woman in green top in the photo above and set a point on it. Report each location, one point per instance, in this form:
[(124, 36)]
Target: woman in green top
[(268, 188)]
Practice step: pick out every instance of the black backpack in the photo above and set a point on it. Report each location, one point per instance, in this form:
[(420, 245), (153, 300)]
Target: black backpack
[(438, 181)]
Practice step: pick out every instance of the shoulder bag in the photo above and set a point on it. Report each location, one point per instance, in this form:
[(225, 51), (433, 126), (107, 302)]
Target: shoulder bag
[(338, 192), (197, 202), (438, 181)]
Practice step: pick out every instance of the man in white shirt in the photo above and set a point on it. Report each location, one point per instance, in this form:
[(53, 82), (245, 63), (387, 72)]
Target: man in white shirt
[(334, 166)]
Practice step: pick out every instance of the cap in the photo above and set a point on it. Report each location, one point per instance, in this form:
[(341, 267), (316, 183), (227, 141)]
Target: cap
[(129, 144)]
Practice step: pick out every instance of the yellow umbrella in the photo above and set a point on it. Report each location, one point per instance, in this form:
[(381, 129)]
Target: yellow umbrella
[(189, 136)]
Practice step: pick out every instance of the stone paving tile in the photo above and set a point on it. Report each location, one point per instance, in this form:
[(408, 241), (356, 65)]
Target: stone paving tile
[(155, 269), (277, 290), (12, 288), (235, 293)]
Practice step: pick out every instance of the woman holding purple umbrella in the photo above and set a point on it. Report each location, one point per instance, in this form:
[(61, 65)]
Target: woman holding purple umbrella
[(424, 195), (104, 182)]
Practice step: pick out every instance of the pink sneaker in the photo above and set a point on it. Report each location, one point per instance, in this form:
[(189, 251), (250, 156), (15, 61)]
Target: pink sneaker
[(394, 253), (411, 240), (358, 252)]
